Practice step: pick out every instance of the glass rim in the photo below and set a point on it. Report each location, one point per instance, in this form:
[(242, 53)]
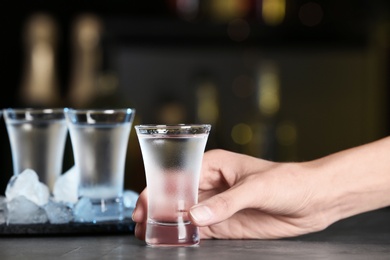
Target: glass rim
[(172, 130), (104, 116), (32, 110), (33, 114), (98, 110), (171, 126)]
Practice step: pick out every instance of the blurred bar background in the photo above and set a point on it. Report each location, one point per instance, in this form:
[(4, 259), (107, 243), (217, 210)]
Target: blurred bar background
[(283, 80)]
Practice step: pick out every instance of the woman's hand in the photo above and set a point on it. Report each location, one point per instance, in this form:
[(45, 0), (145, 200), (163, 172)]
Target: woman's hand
[(246, 197), (243, 197)]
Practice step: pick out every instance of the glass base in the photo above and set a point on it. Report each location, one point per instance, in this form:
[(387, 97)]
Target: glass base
[(98, 210), (171, 234)]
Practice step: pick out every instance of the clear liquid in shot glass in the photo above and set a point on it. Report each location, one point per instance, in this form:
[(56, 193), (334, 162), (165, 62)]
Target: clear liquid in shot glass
[(172, 166)]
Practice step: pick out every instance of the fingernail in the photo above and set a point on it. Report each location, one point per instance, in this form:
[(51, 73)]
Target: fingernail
[(201, 214), (133, 217), (136, 230)]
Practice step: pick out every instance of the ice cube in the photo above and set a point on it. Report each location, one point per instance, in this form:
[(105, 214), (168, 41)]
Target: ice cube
[(83, 211), (58, 212), (21, 210), (28, 185), (129, 200), (3, 209), (66, 186)]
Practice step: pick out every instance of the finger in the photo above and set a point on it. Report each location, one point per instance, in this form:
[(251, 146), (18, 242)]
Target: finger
[(140, 230), (214, 170), (221, 167), (219, 207), (140, 210)]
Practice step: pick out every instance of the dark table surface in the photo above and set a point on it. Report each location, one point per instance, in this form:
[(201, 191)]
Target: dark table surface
[(366, 236)]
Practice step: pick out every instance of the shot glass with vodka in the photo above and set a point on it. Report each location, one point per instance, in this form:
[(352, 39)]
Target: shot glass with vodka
[(37, 139), (172, 156), (99, 140)]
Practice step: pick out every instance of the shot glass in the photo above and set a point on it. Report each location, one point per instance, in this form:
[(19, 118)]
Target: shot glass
[(172, 156), (99, 140), (37, 139)]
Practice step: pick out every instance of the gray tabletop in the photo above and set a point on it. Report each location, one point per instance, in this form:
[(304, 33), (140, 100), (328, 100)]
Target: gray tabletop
[(366, 236)]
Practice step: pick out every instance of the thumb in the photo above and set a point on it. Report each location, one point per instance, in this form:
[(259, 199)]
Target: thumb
[(218, 208)]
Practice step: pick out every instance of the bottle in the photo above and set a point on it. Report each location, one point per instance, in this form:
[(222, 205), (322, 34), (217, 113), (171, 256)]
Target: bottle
[(86, 60), (40, 86)]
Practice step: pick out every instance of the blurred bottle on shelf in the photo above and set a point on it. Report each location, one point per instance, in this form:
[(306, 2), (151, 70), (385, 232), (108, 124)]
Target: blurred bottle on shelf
[(91, 83), (40, 87), (267, 105), (207, 105), (276, 136), (86, 60), (262, 131)]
